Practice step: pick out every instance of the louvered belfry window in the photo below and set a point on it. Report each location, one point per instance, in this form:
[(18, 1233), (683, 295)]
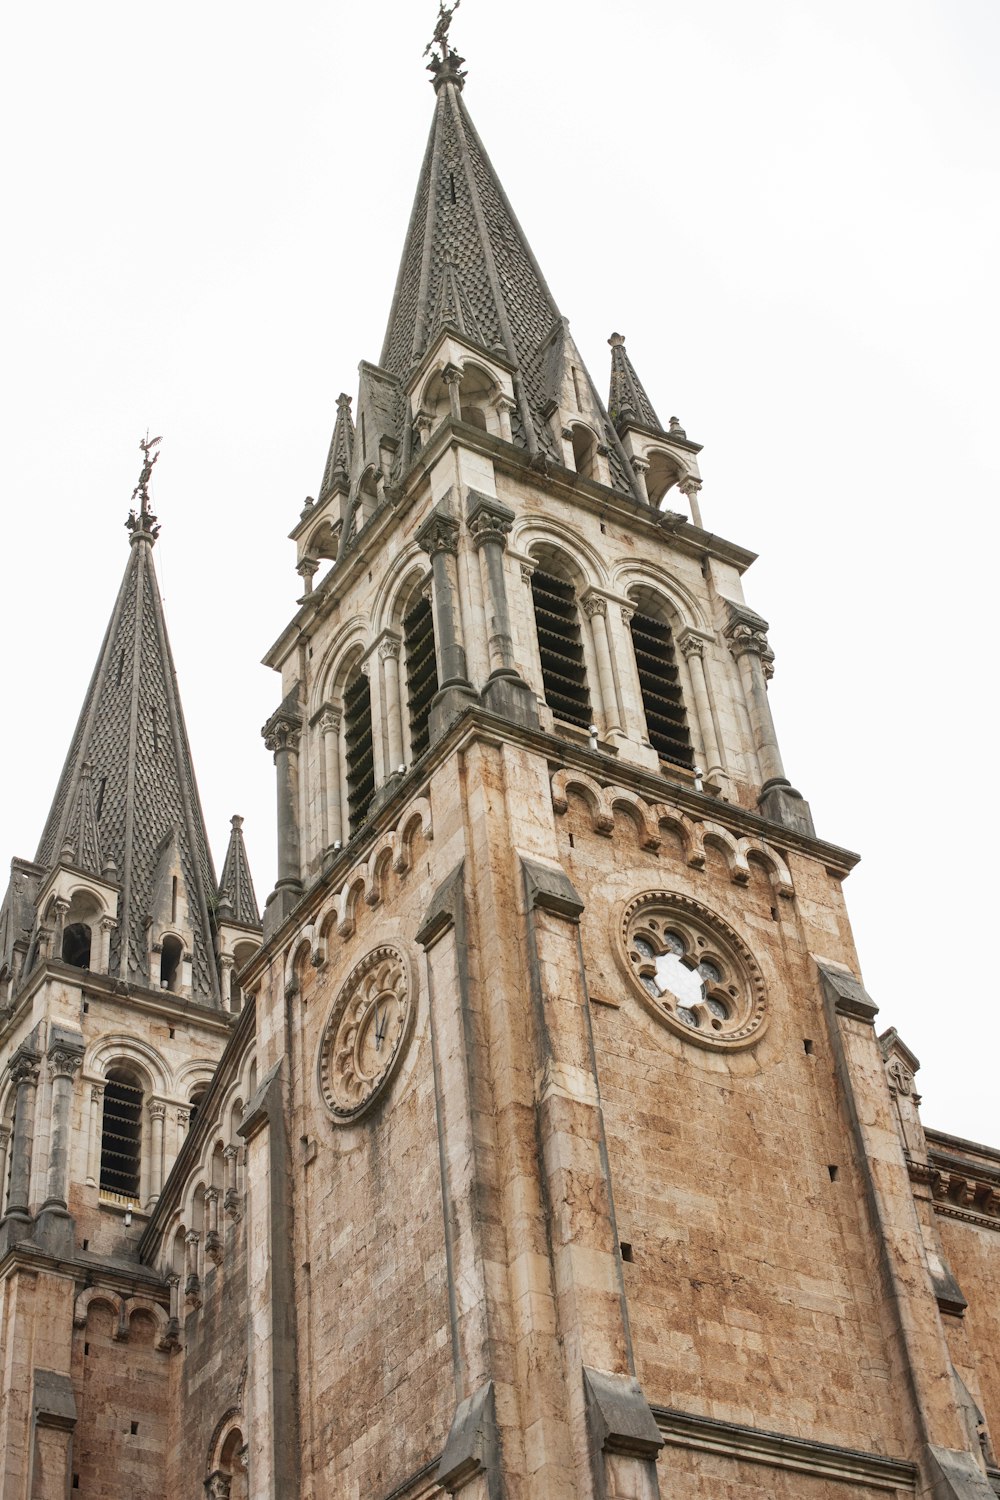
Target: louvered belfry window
[(122, 1135), (359, 750), (564, 673), (666, 721), (421, 673)]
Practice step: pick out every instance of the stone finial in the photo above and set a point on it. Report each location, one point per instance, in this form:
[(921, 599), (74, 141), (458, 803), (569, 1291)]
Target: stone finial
[(142, 523)]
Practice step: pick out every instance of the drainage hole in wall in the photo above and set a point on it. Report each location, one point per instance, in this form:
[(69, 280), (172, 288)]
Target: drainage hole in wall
[(833, 1171), (807, 1046), (626, 1250)]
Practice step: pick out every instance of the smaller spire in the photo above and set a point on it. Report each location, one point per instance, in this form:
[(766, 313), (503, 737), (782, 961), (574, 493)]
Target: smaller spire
[(628, 404), (445, 64), (453, 306), (337, 474), (236, 893), (142, 523), (82, 842)]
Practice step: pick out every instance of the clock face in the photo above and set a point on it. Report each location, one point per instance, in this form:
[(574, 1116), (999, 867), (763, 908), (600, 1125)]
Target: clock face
[(366, 1033)]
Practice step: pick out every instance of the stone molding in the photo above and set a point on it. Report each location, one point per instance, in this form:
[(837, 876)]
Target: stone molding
[(779, 1451), (472, 1445), (604, 801), (846, 994), (621, 1419)]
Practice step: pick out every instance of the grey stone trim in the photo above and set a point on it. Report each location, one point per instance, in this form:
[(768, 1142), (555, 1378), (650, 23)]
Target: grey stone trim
[(621, 1419), (53, 1403), (472, 1447), (551, 890), (444, 907), (957, 1476), (845, 994), (779, 1451), (259, 1109)]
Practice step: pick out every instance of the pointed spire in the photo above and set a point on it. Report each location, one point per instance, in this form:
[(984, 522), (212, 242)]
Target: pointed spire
[(337, 473), (453, 307), (628, 404), (128, 782), (235, 883), (82, 840)]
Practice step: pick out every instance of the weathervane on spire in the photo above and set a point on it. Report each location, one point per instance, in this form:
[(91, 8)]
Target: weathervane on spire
[(445, 62), (143, 521)]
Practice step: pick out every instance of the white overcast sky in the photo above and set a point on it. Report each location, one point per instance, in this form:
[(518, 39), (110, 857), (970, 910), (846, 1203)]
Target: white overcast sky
[(792, 210)]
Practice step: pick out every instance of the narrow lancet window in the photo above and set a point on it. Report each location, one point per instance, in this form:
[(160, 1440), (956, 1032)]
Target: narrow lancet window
[(421, 673), (76, 945), (121, 1136), (564, 673), (359, 749), (659, 683), (170, 963)]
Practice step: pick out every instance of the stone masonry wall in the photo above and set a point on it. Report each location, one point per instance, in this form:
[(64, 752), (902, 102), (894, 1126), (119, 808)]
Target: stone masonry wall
[(121, 1436), (751, 1291)]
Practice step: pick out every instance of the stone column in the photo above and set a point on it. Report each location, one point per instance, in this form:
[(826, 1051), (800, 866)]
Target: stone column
[(596, 608), (192, 1281), (157, 1116), (329, 725), (226, 963), (452, 377), (61, 908), (24, 1072), (691, 487), (504, 405), (693, 647), (281, 736), (96, 1131), (107, 927), (506, 692), (640, 469), (388, 653), (779, 801), (438, 537), (183, 1119), (213, 1239), (231, 1202), (64, 1064)]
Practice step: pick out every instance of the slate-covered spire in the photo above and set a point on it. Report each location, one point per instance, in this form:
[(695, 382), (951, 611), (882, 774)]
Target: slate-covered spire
[(131, 746), (628, 404), (235, 883), (337, 473)]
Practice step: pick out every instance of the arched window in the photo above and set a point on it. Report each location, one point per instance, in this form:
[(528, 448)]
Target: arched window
[(659, 683), (194, 1103), (560, 646), (421, 670), (584, 452), (662, 475), (76, 945), (359, 748), (121, 1136), (170, 963)]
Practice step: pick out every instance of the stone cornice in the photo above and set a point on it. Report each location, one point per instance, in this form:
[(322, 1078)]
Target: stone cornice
[(477, 724), (779, 1451), (86, 1269), (964, 1179), (161, 1003)]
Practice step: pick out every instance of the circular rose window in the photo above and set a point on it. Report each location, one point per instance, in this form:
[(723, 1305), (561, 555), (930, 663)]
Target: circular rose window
[(692, 970), (366, 1034)]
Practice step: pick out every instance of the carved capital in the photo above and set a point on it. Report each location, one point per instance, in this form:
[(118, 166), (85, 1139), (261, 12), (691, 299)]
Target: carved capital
[(527, 569), (691, 644), (64, 1062), (487, 528), (503, 402), (230, 1153), (640, 466), (689, 486), (329, 722), (192, 1237), (389, 647), (24, 1068), (451, 375), (183, 1117), (157, 1109), (281, 734), (628, 615), (439, 533), (108, 924), (594, 604), (218, 1486), (97, 1093)]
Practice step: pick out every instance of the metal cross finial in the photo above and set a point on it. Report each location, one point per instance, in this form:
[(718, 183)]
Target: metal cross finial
[(440, 37), (145, 521)]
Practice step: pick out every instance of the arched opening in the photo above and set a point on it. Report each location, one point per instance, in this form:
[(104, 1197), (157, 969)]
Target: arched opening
[(421, 666), (121, 1136), (659, 682), (359, 748), (560, 644), (233, 1465), (584, 452), (663, 474), (475, 417), (76, 945), (194, 1102), (170, 963)]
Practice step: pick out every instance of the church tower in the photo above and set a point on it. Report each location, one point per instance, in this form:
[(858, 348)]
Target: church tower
[(117, 950), (589, 1148)]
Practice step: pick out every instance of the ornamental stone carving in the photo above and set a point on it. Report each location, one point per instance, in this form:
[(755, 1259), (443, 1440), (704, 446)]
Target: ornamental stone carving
[(691, 970), (366, 1034), (389, 648), (24, 1068), (439, 533), (594, 604), (65, 1062)]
